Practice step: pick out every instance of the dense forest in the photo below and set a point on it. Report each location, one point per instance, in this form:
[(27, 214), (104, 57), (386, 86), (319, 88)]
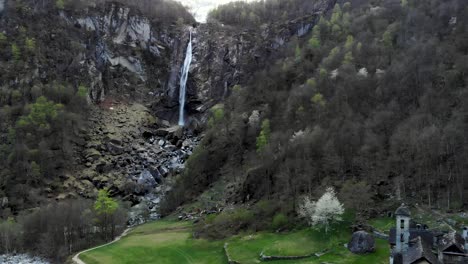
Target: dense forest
[(44, 93), (368, 98), (45, 104), (372, 101)]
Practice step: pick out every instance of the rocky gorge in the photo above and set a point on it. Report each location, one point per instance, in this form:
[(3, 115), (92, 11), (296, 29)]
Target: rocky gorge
[(134, 67), (131, 63)]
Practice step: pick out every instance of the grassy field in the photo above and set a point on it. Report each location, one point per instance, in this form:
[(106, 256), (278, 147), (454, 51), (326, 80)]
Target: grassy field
[(246, 249), (171, 242), (159, 242)]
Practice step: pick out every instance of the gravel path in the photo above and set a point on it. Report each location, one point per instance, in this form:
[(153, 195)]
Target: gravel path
[(76, 258)]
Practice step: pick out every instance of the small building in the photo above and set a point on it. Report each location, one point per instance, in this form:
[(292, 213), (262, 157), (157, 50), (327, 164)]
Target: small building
[(451, 249), (412, 243)]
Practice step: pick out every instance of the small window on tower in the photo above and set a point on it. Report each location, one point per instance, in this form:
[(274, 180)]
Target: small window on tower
[(402, 223), (402, 239)]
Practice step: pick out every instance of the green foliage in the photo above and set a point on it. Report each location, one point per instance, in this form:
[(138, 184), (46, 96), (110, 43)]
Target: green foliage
[(314, 43), (389, 35), (324, 23), (35, 170), (16, 52), (82, 91), (336, 15), (348, 59), (336, 30), (263, 138), (239, 216), (298, 53), (60, 4), (217, 114), (318, 100), (237, 88), (104, 204), (323, 73), (403, 119), (359, 47), (346, 21), (30, 44), (330, 61), (347, 6), (387, 39), (404, 3), (349, 42), (280, 220), (16, 96), (3, 38), (312, 83), (40, 115)]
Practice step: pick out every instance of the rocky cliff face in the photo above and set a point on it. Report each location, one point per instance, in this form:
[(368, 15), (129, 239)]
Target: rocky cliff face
[(131, 67), (127, 56), (225, 56)]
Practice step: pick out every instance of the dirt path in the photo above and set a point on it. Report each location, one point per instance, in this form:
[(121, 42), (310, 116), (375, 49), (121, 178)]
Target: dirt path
[(76, 258)]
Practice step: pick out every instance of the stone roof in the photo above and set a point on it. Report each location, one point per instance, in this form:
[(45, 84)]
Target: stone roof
[(419, 250), (452, 242), (403, 210), (425, 234)]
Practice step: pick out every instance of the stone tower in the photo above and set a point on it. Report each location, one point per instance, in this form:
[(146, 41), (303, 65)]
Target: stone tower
[(403, 216)]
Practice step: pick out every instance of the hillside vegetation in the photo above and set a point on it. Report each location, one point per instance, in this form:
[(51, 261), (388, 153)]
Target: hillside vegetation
[(372, 101)]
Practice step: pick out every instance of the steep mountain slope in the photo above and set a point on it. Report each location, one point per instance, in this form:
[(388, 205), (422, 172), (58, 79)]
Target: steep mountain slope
[(373, 100), (287, 98), (61, 61)]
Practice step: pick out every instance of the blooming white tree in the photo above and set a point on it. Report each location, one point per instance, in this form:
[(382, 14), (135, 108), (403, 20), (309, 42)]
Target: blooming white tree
[(323, 212)]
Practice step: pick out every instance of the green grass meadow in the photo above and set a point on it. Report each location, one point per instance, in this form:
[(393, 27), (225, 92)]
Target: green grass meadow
[(167, 241)]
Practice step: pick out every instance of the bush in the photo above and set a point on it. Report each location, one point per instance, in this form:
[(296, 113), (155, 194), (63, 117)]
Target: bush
[(226, 223), (279, 221), (60, 4), (16, 52)]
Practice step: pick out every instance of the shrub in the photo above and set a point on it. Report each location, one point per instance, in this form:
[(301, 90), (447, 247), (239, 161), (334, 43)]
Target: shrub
[(30, 44), (226, 223), (60, 4), (279, 221), (262, 139), (16, 52)]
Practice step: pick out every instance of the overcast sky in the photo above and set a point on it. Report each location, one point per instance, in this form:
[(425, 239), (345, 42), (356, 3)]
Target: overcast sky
[(200, 8)]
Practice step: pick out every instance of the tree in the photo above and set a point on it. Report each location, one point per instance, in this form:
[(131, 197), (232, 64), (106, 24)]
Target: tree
[(217, 115), (324, 212), (16, 52), (60, 4), (262, 139), (337, 14), (9, 236), (318, 99), (30, 45), (41, 113), (105, 208), (356, 195), (349, 42), (314, 43)]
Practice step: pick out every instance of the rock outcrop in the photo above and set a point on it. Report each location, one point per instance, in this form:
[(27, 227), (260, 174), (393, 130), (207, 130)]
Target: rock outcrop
[(361, 243), (130, 151)]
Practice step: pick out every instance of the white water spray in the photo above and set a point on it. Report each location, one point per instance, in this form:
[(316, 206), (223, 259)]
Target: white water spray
[(183, 81)]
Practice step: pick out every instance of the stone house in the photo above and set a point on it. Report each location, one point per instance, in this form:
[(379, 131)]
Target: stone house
[(413, 243)]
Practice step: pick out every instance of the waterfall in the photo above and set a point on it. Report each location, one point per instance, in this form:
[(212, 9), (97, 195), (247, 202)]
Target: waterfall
[(183, 81)]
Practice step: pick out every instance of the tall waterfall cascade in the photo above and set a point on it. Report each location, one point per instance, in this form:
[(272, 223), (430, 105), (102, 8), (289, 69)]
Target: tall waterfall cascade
[(183, 81)]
